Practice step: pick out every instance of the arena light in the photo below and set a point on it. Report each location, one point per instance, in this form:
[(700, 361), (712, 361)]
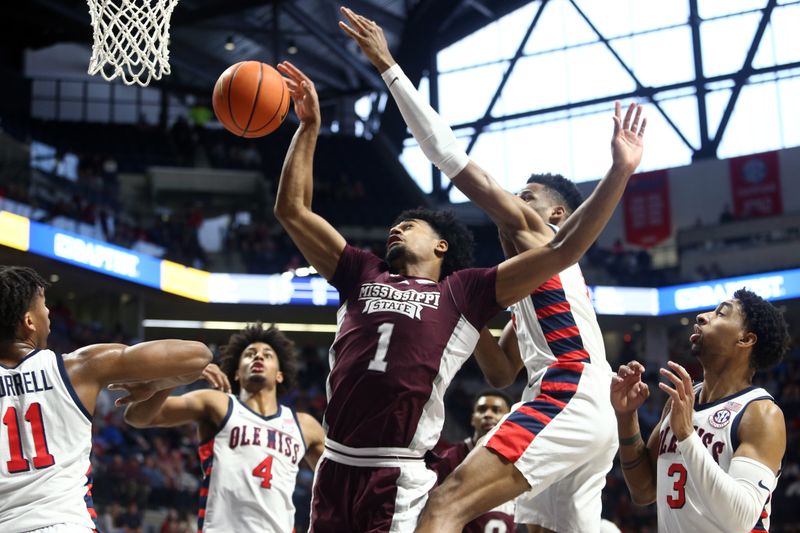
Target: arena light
[(14, 231)]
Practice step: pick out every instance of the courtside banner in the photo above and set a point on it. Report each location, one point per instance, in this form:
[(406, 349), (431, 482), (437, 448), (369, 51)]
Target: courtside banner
[(756, 185), (94, 255), (646, 209)]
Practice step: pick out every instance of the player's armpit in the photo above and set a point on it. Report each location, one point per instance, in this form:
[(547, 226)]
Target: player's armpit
[(314, 436)]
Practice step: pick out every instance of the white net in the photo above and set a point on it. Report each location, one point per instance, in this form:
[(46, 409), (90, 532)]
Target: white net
[(131, 39)]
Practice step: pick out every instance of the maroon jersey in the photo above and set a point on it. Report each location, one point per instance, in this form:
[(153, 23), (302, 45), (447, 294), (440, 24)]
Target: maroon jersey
[(498, 520), (399, 342)]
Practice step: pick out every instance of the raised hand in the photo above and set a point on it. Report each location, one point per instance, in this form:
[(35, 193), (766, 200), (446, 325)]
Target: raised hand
[(680, 416), (137, 392), (628, 391), (216, 378), (304, 95), (627, 142), (369, 37)]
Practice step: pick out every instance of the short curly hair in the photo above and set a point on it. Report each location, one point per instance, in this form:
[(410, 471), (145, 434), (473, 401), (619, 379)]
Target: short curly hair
[(768, 324), (18, 286), (444, 222), (563, 190), (492, 392), (283, 346)]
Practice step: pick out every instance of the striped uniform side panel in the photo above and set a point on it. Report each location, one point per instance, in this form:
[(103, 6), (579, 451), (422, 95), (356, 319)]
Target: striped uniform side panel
[(206, 453), (759, 527), (557, 322), (88, 497), (518, 431)]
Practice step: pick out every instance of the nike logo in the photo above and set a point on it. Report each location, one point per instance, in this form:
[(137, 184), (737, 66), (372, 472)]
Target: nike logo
[(761, 485), (394, 80)]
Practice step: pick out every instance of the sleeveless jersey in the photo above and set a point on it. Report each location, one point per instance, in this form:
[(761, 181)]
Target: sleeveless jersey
[(680, 506), (45, 442), (557, 323), (249, 471), (399, 342)]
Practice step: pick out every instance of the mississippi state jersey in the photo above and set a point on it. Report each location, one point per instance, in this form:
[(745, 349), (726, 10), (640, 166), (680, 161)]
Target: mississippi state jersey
[(680, 506), (249, 471), (557, 323), (45, 441), (399, 342), (498, 520)]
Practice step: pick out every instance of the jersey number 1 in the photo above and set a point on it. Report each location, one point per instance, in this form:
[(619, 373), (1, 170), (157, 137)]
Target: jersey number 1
[(43, 458), (378, 363), (679, 486)]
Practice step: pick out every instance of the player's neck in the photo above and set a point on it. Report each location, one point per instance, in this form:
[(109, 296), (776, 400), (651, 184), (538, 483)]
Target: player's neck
[(717, 385), (13, 352), (425, 269), (263, 401)]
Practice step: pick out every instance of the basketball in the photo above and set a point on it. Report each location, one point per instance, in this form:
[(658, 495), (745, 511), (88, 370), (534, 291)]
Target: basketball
[(251, 99)]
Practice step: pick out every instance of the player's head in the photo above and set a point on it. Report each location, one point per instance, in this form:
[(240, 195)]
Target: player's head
[(23, 313), (747, 324), (423, 234), (488, 408), (255, 358), (552, 196)]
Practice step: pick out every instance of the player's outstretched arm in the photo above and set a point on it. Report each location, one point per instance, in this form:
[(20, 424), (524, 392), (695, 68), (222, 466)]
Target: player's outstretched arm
[(163, 410), (637, 459), (319, 242), (314, 436), (520, 275), (500, 361), (737, 497), (439, 143)]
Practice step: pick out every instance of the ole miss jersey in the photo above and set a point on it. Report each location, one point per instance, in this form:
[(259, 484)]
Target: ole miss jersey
[(680, 506), (249, 471), (45, 441)]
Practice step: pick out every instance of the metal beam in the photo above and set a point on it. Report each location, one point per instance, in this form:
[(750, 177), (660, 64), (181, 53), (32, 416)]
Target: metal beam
[(706, 149), (367, 73), (648, 92), (744, 73), (213, 10), (633, 76), (507, 73)]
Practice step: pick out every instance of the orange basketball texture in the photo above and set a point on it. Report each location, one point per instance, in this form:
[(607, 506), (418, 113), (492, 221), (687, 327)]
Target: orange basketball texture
[(251, 99)]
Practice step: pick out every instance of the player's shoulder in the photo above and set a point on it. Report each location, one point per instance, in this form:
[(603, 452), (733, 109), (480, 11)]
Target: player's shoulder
[(309, 425)]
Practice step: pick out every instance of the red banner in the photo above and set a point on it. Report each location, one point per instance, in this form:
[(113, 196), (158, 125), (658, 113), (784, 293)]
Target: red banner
[(648, 219), (756, 185)]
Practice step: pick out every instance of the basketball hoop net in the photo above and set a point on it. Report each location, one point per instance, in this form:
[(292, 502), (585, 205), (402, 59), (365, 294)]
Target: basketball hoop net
[(131, 39)]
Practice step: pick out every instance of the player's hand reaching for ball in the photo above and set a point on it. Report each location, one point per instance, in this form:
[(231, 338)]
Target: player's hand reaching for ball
[(216, 378), (627, 143), (304, 95), (369, 37), (628, 391), (682, 396), (137, 392)]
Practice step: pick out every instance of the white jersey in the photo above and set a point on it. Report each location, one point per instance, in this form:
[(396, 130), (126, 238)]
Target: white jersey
[(680, 506), (249, 471), (45, 441), (557, 323)]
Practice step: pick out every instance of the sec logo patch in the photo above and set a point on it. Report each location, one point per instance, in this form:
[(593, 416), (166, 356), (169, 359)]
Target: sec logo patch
[(720, 419)]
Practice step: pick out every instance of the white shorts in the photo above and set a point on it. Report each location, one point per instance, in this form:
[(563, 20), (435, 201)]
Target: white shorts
[(563, 442)]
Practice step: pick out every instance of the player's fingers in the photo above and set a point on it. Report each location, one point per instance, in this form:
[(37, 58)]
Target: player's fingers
[(644, 124), (669, 390), (686, 379), (618, 109), (675, 381), (636, 366), (643, 390), (348, 30), (617, 124), (125, 400), (627, 122), (116, 386), (636, 119)]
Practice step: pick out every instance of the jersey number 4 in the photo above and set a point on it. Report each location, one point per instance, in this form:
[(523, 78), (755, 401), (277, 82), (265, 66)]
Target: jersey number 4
[(678, 500), (43, 458), (264, 471)]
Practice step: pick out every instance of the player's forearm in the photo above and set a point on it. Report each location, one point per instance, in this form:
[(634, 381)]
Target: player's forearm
[(295, 188), (583, 227), (165, 363), (142, 414), (498, 367), (637, 466)]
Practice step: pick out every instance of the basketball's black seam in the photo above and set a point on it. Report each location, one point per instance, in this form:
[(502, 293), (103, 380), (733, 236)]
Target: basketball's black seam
[(283, 94), (228, 94), (255, 99)]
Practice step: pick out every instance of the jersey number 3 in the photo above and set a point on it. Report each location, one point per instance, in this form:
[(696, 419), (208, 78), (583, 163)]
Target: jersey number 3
[(43, 458), (679, 486)]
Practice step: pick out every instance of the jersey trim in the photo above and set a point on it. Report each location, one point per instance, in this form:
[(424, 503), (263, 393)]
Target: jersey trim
[(738, 419), (299, 427), (259, 415), (700, 406), (68, 384), (34, 352), (221, 424)]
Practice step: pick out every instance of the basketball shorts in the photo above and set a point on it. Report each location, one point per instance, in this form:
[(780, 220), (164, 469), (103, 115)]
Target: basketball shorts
[(563, 441), (368, 494), (64, 528)]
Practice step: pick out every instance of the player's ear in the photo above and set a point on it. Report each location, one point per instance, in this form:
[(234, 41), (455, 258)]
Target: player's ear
[(748, 340), (559, 212), (279, 377), (28, 325), (441, 246)]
